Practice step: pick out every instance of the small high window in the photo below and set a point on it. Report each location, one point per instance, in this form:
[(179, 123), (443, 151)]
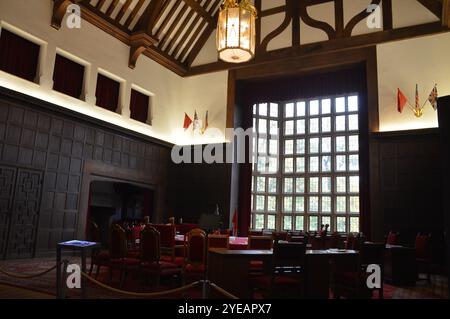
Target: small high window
[(139, 106), (68, 77), (107, 93)]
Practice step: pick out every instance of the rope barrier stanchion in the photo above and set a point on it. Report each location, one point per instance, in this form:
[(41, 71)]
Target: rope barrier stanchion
[(141, 294), (27, 276), (223, 291)]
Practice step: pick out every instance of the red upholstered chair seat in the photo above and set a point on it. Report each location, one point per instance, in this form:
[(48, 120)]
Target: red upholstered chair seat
[(126, 261), (164, 268), (256, 265), (279, 280), (392, 239), (192, 268), (177, 261)]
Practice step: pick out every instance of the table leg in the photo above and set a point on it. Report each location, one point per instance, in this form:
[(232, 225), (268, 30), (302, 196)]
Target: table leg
[(83, 270), (58, 273)]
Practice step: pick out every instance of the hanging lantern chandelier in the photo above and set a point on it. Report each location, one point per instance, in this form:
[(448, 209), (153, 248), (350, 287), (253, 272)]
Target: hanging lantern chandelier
[(236, 31)]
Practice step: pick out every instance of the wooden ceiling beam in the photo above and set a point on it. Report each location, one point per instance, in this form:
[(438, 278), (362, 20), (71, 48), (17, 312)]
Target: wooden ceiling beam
[(134, 13), (172, 27), (100, 4), (112, 7), (334, 45), (167, 18), (123, 10), (434, 6), (201, 11), (180, 30), (446, 13), (387, 15)]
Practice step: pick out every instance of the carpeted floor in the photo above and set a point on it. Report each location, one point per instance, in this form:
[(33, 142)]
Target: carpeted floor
[(47, 284)]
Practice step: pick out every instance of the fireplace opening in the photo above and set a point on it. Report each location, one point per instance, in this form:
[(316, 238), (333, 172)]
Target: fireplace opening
[(115, 202)]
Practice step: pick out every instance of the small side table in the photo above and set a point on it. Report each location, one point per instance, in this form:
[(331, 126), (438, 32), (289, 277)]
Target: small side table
[(78, 245)]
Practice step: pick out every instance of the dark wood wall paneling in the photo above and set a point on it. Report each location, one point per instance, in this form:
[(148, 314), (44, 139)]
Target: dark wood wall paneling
[(410, 184), (45, 155), (195, 189)]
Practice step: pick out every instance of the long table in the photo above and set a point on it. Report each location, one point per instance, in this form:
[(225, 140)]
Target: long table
[(229, 269), (236, 243)]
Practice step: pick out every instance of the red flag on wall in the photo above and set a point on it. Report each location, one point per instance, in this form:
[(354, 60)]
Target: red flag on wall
[(401, 101), (187, 121), (235, 222)]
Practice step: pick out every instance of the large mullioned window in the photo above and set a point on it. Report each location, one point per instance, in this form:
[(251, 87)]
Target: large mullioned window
[(306, 165)]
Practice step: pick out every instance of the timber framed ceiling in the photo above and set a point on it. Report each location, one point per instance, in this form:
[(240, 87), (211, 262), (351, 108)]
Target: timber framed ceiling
[(172, 32)]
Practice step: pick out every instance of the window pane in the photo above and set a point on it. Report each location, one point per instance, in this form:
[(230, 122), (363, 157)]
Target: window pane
[(262, 127), (314, 145), (272, 187), (341, 163), (299, 223), (300, 204), (353, 163), (263, 109), (353, 143), (301, 146), (289, 128), (326, 124), (300, 165), (289, 147), (354, 204), (353, 123), (301, 127), (314, 107), (290, 110), (254, 109), (341, 204), (287, 204), (288, 185), (314, 204), (340, 144), (288, 165), (287, 223), (273, 165), (326, 184), (314, 126), (326, 164), (354, 224), (260, 201), (314, 185), (259, 221), (326, 145), (354, 184), (262, 146), (326, 204), (340, 105), (273, 110), (301, 109), (270, 221), (314, 164), (353, 103), (313, 223), (326, 220), (261, 184), (341, 224), (271, 204), (340, 123), (300, 185), (273, 127), (326, 106), (261, 164), (273, 147), (341, 186)]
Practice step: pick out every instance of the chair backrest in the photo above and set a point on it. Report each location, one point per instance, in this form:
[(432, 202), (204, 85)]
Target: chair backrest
[(287, 254), (255, 232), (150, 244), (195, 246), (422, 246), (218, 241), (136, 233), (260, 242), (225, 232), (167, 234), (335, 240), (283, 236), (118, 242), (186, 228), (392, 238), (372, 253)]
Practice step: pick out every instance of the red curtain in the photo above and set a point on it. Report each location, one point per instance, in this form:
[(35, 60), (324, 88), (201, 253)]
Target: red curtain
[(107, 93), (18, 56), (68, 77), (139, 106)]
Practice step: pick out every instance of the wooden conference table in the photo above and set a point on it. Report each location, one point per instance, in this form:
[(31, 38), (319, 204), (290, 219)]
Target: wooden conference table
[(229, 269), (236, 243)]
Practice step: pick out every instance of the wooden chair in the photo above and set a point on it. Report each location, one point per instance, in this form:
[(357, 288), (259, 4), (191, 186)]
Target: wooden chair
[(195, 262), (99, 257), (258, 243), (287, 271), (392, 238), (218, 241), (423, 255), (335, 241), (118, 254), (150, 256), (168, 246)]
